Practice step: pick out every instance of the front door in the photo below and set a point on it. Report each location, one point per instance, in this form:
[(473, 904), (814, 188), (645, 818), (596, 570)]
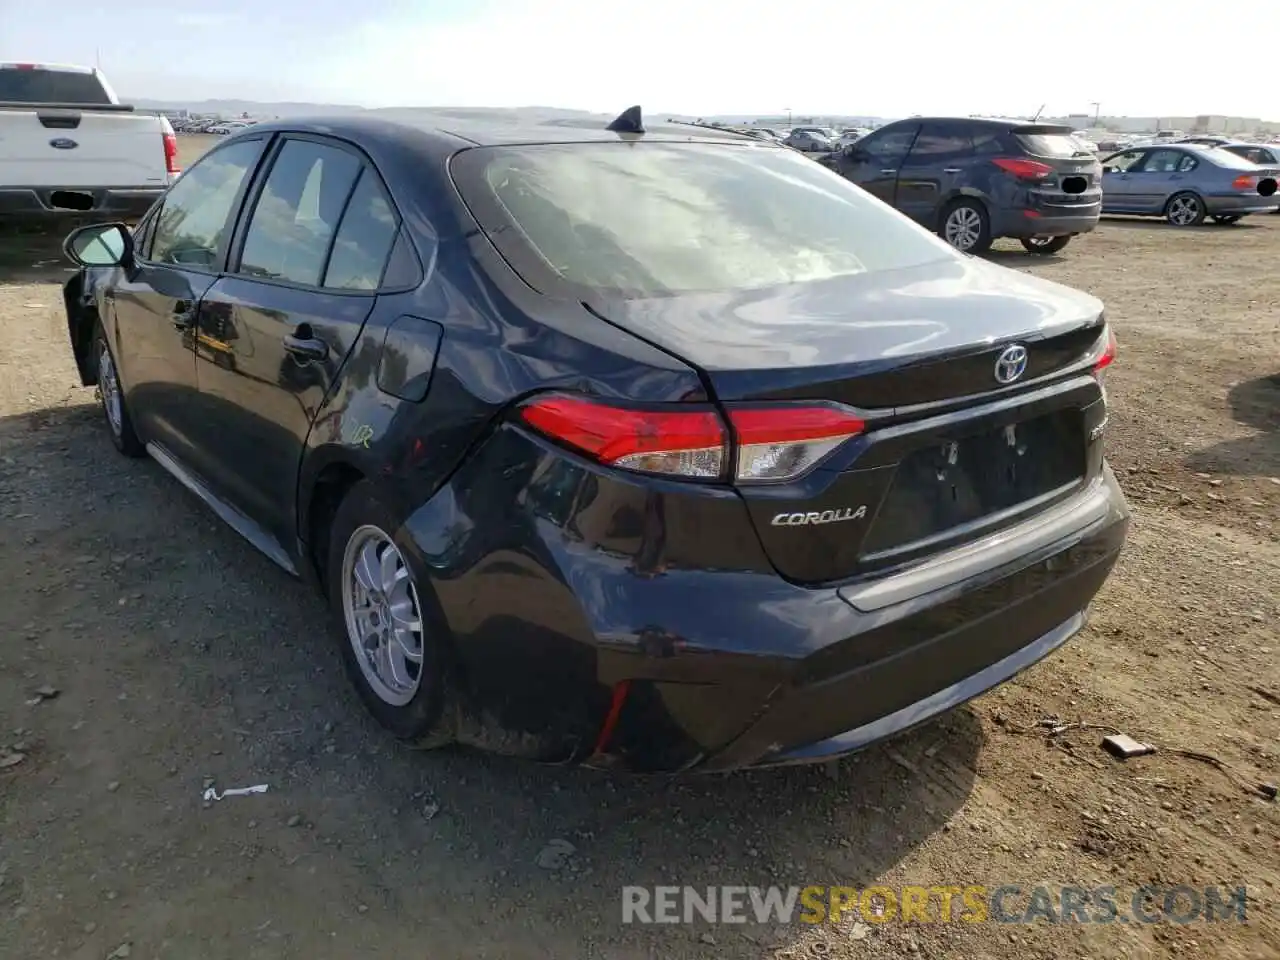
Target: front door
[(873, 162), (157, 299), (1161, 173), (1119, 188), (274, 332)]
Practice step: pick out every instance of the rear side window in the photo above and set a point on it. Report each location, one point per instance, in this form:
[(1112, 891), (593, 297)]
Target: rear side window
[(661, 219), (1049, 144), (938, 143), (364, 238), (51, 86), (297, 213), (195, 214)]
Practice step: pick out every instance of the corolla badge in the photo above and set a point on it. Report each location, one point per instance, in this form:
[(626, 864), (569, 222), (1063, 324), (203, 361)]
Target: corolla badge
[(63, 143), (818, 517), (1011, 364)]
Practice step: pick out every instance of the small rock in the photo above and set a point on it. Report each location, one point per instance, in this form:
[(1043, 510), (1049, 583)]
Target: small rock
[(121, 952), (113, 786), (859, 931), (430, 810), (293, 821), (708, 939), (362, 908), (556, 854), (1037, 775), (11, 760), (90, 927), (47, 692)]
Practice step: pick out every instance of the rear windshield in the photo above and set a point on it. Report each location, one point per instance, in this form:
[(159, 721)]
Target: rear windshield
[(657, 219), (50, 86), (1050, 144)]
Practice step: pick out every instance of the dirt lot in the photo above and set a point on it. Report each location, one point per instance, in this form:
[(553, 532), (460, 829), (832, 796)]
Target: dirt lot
[(181, 654)]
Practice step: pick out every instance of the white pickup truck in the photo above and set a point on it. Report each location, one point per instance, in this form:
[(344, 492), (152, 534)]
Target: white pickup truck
[(69, 149)]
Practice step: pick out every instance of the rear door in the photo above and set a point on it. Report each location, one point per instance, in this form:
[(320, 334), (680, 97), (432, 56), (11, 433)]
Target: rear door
[(308, 259), (873, 162), (933, 170)]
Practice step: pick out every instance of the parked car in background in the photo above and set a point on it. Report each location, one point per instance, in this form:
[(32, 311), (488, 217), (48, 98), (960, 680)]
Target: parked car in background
[(771, 473), (973, 180), (1184, 183), (1207, 140), (851, 136), (808, 141), (70, 149)]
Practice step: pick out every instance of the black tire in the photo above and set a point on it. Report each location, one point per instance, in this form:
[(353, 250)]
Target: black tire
[(119, 429), (429, 719), (1045, 245), (1185, 209), (1225, 219), (982, 234)]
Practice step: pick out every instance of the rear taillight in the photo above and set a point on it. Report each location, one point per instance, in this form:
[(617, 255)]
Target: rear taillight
[(781, 443), (1108, 354), (1245, 182), (171, 154), (1022, 168), (682, 443), (774, 443)]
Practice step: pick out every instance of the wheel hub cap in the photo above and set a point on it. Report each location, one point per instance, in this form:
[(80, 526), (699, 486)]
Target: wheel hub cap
[(963, 228), (383, 615), (109, 390)]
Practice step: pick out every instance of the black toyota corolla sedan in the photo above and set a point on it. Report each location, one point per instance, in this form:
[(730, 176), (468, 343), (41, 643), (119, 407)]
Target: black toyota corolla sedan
[(657, 448)]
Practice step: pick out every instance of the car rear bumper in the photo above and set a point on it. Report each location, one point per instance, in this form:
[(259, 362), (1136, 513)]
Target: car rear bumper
[(1046, 221), (1236, 205), (596, 627), (100, 203)]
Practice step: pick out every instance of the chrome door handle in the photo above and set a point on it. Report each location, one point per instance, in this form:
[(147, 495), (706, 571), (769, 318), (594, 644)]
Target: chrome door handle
[(306, 348), (951, 170), (887, 173)]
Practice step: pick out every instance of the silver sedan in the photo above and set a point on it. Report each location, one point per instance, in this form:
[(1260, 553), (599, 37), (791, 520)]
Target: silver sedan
[(1184, 183)]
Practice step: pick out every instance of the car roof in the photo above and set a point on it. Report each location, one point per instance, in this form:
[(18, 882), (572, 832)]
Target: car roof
[(1002, 122), (446, 131)]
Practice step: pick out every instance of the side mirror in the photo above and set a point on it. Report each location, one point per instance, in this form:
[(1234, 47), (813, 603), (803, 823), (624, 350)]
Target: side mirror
[(99, 245)]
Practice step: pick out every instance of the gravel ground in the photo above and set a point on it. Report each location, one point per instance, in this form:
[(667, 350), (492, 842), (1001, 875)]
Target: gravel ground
[(179, 655)]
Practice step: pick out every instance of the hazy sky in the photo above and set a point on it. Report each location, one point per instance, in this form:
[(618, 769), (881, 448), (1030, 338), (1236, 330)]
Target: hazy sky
[(688, 56)]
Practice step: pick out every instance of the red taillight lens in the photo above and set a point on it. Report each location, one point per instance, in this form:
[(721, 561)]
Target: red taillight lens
[(781, 443), (1023, 169), (1108, 355), (775, 443), (1245, 182), (683, 443), (171, 153)]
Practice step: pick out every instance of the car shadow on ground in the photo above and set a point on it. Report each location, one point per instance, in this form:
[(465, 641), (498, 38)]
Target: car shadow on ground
[(1018, 257), (33, 257), (1159, 223), (181, 654), (1254, 403)]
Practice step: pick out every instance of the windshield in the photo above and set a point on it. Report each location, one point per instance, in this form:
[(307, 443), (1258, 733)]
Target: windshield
[(661, 219), (19, 85)]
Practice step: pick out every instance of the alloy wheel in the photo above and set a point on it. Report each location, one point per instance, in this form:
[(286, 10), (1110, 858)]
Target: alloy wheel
[(383, 615), (1183, 211), (109, 390), (963, 228)]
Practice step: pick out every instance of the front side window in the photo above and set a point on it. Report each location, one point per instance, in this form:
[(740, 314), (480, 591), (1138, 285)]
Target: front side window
[(1124, 162), (1162, 161), (195, 214), (662, 219), (297, 213)]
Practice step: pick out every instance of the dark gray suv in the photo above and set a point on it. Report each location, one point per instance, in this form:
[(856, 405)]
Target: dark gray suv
[(973, 180)]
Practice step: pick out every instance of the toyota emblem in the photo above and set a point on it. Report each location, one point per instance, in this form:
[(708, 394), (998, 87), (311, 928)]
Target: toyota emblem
[(1011, 364)]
